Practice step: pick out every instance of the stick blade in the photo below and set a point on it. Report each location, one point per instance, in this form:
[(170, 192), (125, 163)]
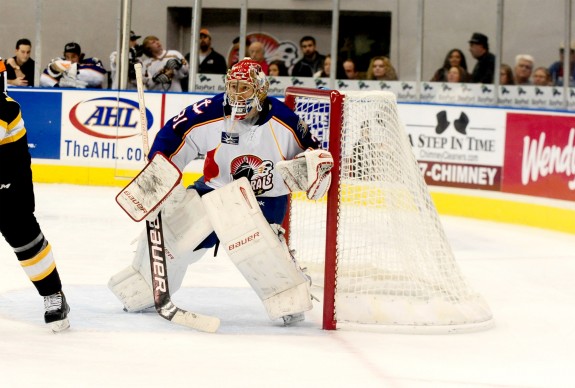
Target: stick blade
[(196, 321)]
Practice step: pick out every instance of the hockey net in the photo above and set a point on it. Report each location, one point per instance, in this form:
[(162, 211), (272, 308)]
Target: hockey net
[(386, 260)]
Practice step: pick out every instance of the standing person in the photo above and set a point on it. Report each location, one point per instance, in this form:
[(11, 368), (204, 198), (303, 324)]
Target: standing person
[(312, 61), (134, 54), (257, 53), (211, 62), (20, 68), (454, 57), (18, 224), (163, 69), (484, 69), (556, 69), (244, 134), (523, 67), (73, 70), (381, 69)]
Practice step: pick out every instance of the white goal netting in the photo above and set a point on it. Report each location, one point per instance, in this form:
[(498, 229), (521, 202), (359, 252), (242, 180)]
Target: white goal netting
[(393, 263)]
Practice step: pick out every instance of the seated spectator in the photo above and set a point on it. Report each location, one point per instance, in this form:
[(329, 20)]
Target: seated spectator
[(257, 53), (163, 69), (484, 69), (542, 77), (457, 74), (277, 69), (556, 69), (233, 55), (20, 68), (381, 69), (350, 69), (73, 70), (523, 68), (312, 61), (454, 58), (506, 75), (324, 73)]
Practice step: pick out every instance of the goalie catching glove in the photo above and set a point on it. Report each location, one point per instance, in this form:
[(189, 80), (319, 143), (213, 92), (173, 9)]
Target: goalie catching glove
[(309, 171)]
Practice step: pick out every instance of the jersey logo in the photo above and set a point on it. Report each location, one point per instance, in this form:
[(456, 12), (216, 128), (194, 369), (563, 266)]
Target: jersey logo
[(257, 171), (230, 138)]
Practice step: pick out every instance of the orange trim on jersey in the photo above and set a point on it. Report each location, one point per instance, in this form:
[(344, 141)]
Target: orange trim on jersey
[(291, 130), (45, 273), (276, 140), (188, 131)]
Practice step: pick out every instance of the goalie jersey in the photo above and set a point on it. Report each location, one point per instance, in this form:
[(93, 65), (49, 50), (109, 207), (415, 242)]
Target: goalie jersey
[(236, 148)]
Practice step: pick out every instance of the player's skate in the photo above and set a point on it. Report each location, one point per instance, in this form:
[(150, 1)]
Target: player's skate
[(56, 312)]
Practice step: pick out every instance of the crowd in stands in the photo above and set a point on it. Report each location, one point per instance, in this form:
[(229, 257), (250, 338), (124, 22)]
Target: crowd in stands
[(168, 70)]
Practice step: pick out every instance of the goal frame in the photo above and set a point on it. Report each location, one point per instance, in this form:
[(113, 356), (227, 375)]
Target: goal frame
[(336, 100)]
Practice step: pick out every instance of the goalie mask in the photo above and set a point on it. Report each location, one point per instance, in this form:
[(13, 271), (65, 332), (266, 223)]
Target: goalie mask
[(246, 88)]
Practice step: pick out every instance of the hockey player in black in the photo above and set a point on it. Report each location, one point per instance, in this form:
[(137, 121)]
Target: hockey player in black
[(18, 224)]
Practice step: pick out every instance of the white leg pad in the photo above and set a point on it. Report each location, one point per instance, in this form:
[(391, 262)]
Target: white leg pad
[(257, 251), (185, 225)]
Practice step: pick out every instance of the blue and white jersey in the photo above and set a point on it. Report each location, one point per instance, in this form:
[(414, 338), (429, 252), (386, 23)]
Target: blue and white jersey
[(236, 148)]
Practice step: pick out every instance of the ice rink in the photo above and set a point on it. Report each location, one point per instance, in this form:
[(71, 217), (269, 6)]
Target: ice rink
[(525, 274)]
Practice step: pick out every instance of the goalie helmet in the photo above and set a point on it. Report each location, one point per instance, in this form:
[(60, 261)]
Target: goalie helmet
[(246, 88), (3, 76)]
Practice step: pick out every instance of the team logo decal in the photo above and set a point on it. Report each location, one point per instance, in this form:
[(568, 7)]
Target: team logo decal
[(108, 117), (258, 172)]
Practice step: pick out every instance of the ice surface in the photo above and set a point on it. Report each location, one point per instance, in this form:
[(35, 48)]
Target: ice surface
[(525, 274)]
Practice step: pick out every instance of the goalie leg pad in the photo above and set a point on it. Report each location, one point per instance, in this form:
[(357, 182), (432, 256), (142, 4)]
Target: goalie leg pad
[(256, 250), (185, 225)]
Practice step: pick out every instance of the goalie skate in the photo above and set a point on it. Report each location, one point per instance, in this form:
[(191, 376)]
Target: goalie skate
[(56, 311)]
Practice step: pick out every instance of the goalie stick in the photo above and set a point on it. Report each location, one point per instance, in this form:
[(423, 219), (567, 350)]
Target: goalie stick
[(162, 300)]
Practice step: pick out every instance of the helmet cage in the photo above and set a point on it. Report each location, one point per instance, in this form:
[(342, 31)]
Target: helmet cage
[(246, 88)]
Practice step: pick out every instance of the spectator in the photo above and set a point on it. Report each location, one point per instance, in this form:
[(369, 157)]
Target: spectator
[(258, 54), (350, 69), (211, 62), (134, 54), (457, 74), (20, 68), (506, 75), (523, 68), (312, 61), (73, 70), (454, 58), (381, 69), (556, 69), (163, 69), (278, 69), (542, 77), (485, 67), (324, 73)]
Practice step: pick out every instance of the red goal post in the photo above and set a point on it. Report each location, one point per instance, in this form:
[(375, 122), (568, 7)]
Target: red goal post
[(376, 244)]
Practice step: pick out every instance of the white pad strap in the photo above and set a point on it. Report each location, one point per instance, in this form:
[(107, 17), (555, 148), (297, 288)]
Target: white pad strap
[(309, 171), (253, 246), (145, 193)]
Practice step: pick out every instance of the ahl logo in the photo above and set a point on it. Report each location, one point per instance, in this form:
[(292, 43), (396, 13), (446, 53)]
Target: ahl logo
[(5, 185), (108, 117)]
